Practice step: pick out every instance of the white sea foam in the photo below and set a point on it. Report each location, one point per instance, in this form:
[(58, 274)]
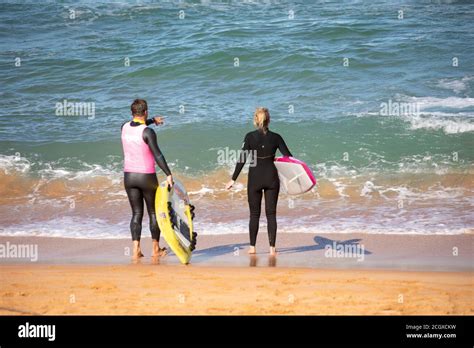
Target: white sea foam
[(83, 228), (201, 192), (16, 163), (456, 120), (449, 102), (70, 227), (87, 171), (404, 192), (340, 187), (447, 125), (456, 85), (368, 188), (54, 170)]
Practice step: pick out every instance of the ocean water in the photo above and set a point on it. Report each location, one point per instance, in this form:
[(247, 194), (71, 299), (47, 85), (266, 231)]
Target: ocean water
[(377, 97)]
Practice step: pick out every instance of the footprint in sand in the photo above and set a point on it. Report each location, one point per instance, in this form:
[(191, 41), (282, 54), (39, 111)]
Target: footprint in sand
[(147, 275), (103, 286)]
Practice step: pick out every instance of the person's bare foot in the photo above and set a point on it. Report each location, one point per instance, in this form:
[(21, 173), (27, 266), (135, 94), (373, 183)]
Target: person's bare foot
[(137, 251), (273, 251), (157, 251), (252, 250)]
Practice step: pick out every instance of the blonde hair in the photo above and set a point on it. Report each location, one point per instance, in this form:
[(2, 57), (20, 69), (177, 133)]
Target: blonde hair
[(261, 119)]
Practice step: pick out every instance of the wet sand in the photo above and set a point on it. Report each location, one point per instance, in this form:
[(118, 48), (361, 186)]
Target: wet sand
[(305, 250), (396, 275)]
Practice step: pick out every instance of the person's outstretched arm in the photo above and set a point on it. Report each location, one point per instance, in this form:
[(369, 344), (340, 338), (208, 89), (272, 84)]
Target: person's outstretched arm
[(149, 137), (157, 120), (283, 148), (242, 158)]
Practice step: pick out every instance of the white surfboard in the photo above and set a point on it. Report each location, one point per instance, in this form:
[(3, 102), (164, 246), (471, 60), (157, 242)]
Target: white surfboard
[(295, 175)]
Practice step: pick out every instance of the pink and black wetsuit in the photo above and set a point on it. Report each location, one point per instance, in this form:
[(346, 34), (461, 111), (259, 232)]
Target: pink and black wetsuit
[(141, 151)]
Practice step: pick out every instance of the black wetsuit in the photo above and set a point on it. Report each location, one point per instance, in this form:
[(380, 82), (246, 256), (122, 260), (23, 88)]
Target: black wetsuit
[(140, 186), (263, 176)]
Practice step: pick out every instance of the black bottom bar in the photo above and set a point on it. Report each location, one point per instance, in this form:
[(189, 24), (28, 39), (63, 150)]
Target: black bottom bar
[(292, 330)]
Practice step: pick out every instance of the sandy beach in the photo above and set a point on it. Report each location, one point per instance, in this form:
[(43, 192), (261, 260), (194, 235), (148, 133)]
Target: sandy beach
[(170, 290), (397, 275)]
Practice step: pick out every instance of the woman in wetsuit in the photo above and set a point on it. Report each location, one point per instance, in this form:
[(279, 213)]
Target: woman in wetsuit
[(141, 151), (263, 176)]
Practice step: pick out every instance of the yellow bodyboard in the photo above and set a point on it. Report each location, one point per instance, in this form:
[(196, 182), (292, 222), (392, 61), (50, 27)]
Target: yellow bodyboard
[(174, 214)]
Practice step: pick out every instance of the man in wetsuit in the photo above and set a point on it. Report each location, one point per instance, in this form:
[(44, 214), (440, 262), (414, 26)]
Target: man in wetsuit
[(141, 151)]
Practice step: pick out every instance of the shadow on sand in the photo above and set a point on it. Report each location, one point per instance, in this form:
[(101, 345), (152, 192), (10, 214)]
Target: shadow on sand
[(220, 250), (320, 244)]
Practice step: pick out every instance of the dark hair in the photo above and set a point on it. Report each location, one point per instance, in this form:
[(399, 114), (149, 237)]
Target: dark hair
[(139, 107)]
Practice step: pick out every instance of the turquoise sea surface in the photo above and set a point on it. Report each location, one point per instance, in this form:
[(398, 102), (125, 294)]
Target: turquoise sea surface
[(377, 97)]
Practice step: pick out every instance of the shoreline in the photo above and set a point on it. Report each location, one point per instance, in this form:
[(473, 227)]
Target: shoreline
[(298, 250)]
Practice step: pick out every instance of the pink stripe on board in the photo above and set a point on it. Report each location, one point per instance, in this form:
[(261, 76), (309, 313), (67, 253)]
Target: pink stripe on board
[(297, 161)]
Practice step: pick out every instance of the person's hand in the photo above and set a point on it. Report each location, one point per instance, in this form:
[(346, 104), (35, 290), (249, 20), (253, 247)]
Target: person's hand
[(158, 120), (169, 180), (229, 185)]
